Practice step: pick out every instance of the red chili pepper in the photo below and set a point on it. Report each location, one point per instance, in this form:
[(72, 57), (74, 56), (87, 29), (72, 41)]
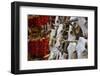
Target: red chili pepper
[(38, 21), (38, 48)]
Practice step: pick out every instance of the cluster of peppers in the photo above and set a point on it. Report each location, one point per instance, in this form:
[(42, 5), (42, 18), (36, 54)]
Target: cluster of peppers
[(38, 21), (40, 47)]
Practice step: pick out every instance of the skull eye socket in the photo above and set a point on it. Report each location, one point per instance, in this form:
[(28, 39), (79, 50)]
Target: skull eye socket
[(57, 21), (71, 32)]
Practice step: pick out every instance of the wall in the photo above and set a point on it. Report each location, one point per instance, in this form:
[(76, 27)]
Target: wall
[(5, 27)]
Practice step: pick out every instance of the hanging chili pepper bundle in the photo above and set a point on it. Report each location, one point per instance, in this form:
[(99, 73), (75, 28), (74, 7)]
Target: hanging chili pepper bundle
[(38, 21), (38, 47)]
